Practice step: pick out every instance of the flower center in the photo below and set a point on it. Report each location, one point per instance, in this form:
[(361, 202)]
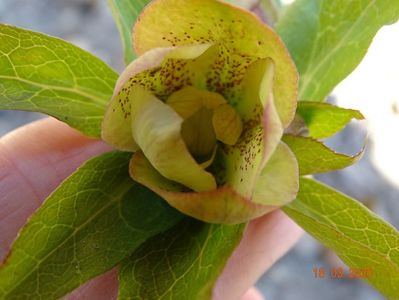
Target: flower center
[(207, 118), (199, 135)]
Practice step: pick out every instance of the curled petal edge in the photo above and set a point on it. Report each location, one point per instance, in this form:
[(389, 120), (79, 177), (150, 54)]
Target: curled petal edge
[(222, 205), (115, 128)]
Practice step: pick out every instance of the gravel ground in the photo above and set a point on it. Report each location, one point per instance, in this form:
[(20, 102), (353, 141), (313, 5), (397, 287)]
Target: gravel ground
[(89, 24)]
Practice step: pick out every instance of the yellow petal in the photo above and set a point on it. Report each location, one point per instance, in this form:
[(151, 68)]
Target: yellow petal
[(227, 124), (156, 129), (198, 134), (278, 182), (207, 117), (189, 99)]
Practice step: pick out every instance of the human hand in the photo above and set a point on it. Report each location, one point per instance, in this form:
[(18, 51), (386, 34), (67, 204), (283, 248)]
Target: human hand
[(35, 158)]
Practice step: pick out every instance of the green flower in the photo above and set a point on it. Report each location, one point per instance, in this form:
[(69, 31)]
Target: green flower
[(203, 109)]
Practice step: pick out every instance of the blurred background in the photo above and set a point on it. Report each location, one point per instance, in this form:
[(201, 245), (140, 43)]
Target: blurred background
[(373, 89)]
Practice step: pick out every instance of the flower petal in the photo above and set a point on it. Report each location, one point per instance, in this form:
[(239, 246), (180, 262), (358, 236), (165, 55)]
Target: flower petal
[(184, 66), (156, 129), (189, 99), (222, 205), (116, 129), (205, 164), (198, 134), (255, 89), (146, 71), (242, 36), (278, 182), (262, 132), (227, 124)]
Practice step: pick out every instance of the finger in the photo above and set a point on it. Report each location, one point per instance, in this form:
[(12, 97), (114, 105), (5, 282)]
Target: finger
[(252, 294), (104, 287), (265, 240), (34, 159)]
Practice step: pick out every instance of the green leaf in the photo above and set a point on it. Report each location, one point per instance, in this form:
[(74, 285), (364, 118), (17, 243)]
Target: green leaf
[(328, 39), (324, 120), (358, 236), (95, 219), (182, 263), (314, 157), (45, 74), (125, 13)]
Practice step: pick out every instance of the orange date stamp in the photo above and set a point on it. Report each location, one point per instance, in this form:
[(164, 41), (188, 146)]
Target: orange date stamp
[(342, 273)]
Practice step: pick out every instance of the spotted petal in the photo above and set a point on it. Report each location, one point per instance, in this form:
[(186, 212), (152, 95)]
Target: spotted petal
[(262, 131), (242, 37), (278, 182), (162, 71)]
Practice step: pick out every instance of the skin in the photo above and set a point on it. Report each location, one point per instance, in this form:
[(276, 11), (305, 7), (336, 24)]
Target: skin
[(35, 158)]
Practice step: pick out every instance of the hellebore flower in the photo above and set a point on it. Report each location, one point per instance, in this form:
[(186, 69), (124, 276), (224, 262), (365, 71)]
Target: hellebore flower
[(204, 107)]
